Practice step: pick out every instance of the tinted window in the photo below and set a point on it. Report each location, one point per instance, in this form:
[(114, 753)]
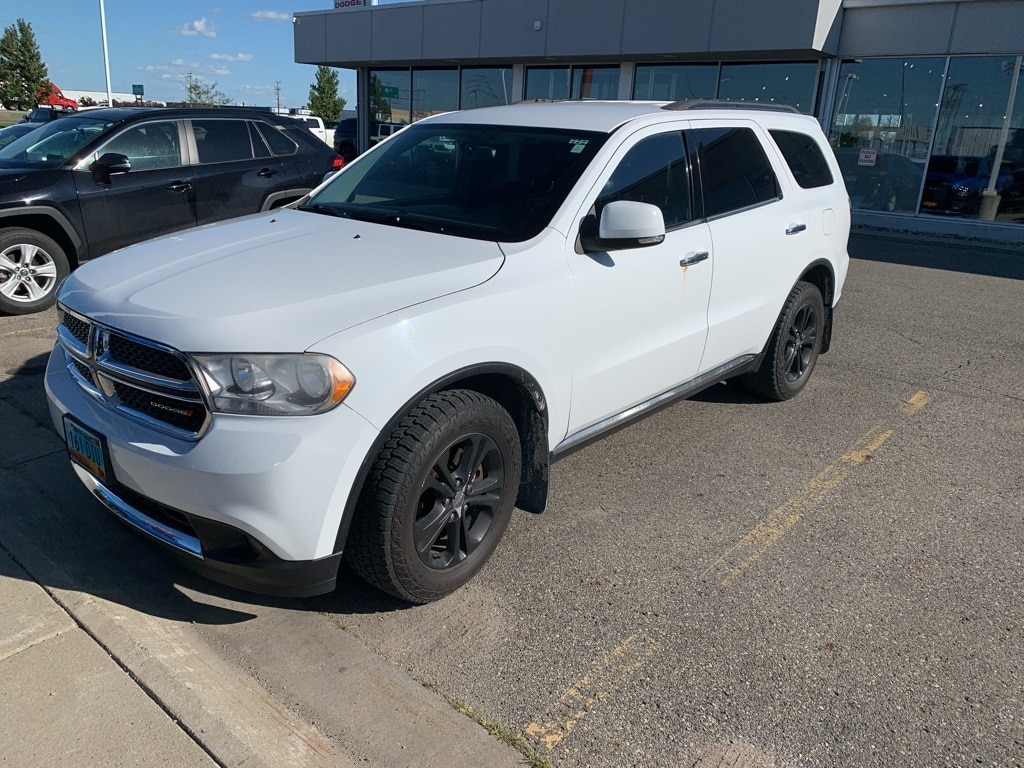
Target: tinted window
[(220, 141), (148, 146), (259, 146), (735, 172), (488, 182), (804, 158), (279, 143), (655, 172)]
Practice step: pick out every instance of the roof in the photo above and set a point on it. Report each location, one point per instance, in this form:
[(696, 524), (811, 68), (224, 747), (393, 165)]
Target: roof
[(117, 114), (601, 116)]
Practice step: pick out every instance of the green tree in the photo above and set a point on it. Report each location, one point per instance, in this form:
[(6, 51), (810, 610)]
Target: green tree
[(23, 76), (202, 94), (380, 105), (324, 101)]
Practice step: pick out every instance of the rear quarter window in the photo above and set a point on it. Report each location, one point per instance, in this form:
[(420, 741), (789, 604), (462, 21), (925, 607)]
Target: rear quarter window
[(735, 171), (804, 158), (277, 139)]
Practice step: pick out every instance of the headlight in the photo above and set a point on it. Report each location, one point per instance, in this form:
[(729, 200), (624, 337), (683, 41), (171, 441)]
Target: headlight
[(274, 385)]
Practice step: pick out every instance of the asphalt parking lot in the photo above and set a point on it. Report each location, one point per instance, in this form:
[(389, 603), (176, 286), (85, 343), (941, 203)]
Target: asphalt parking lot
[(830, 581)]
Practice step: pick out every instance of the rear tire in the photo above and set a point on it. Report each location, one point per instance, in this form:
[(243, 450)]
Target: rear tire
[(32, 266), (794, 346), (438, 498)]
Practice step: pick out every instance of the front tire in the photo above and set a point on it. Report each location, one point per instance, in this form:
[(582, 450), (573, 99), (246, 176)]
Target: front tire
[(32, 265), (438, 498), (794, 346)]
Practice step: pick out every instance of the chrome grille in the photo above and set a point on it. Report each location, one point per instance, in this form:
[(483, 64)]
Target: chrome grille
[(147, 381)]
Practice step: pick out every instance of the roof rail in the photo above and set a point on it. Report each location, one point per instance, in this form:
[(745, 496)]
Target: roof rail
[(688, 104)]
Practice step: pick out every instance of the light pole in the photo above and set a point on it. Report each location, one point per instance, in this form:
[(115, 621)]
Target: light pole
[(106, 60)]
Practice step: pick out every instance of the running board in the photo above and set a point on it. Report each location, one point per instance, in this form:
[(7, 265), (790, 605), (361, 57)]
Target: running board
[(589, 434)]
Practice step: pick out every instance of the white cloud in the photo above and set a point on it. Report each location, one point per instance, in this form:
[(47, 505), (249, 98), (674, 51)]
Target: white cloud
[(198, 27), (220, 71), (270, 16), (230, 57), (178, 62)]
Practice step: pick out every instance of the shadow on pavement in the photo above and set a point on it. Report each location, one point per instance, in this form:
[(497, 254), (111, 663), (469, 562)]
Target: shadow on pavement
[(972, 257)]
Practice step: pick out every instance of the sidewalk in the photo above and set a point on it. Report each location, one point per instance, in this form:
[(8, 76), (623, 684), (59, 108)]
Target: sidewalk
[(91, 677)]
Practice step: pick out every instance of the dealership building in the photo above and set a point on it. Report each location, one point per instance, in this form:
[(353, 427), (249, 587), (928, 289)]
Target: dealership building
[(922, 100)]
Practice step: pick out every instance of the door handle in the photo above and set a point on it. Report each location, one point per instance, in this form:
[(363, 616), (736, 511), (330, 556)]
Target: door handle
[(178, 186), (266, 172), (792, 229), (693, 258)]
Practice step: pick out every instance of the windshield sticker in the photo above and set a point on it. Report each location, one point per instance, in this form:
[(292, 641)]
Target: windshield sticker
[(578, 145)]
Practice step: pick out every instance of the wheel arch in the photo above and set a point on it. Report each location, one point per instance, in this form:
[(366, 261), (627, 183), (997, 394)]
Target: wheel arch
[(821, 275), (518, 392), (49, 223)]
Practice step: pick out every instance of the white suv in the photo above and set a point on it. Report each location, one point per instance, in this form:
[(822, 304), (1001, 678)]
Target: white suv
[(389, 368)]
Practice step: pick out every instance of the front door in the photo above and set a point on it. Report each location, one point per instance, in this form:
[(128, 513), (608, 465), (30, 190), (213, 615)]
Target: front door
[(640, 315), (155, 197)]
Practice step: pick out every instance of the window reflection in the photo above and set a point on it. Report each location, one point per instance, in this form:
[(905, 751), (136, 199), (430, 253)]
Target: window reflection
[(789, 83), (390, 96), (882, 127), (547, 83), (434, 91), (595, 83), (669, 82), (974, 171), (486, 87)]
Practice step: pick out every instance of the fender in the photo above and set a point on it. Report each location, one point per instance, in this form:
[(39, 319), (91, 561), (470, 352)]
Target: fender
[(534, 428), (51, 213)]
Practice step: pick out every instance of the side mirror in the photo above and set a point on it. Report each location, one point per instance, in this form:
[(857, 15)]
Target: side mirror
[(627, 224), (109, 164)]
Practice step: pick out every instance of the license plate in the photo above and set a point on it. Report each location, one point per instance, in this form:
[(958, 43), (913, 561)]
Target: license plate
[(86, 448)]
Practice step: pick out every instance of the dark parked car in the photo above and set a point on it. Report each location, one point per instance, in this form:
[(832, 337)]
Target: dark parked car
[(954, 183), (16, 131), (45, 114), (881, 182), (86, 184)]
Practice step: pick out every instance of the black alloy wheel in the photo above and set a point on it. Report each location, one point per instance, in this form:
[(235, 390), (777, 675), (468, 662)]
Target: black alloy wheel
[(794, 347), (438, 498)]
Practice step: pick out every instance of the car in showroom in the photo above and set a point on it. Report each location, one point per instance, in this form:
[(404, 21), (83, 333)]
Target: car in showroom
[(93, 182), (955, 182), (386, 369)]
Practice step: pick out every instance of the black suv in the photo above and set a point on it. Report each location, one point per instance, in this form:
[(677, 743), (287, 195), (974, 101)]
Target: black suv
[(89, 183)]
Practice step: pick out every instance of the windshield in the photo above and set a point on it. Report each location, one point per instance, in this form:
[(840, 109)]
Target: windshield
[(52, 144), (487, 182)]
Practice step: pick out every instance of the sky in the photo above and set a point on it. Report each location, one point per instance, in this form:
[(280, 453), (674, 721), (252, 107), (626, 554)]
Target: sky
[(243, 47)]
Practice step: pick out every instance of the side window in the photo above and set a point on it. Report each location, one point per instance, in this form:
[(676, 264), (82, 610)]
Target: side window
[(655, 172), (220, 141), (804, 158), (734, 170), (259, 146), (280, 144), (148, 146)]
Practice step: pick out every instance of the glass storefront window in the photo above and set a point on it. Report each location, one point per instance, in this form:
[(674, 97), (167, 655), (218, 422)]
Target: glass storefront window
[(977, 164), (595, 83), (787, 83), (547, 83), (675, 82), (882, 126), (390, 96), (486, 87), (434, 91)]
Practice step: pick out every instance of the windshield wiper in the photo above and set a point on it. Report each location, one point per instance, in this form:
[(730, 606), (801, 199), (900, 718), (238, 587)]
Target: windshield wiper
[(396, 220), (324, 209)]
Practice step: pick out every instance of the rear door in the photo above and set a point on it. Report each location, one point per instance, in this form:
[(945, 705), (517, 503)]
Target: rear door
[(235, 172), (155, 197), (759, 232), (640, 315)]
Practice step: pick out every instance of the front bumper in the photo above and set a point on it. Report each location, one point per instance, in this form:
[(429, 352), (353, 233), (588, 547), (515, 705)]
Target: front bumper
[(256, 503)]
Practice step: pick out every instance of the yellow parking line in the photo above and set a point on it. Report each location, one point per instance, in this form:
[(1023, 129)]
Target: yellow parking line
[(590, 689), (745, 553)]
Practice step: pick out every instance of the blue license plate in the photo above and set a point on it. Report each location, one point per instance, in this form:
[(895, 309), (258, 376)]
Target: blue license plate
[(86, 448)]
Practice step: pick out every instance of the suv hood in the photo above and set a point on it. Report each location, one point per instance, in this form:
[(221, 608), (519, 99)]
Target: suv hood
[(273, 282)]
